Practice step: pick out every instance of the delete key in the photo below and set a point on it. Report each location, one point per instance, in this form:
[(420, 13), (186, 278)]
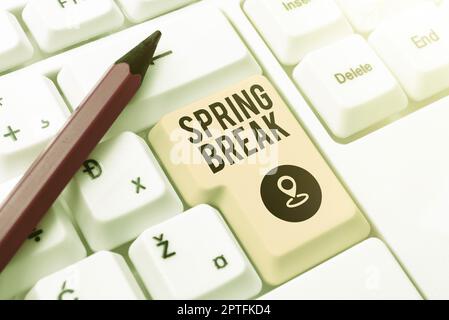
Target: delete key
[(243, 152)]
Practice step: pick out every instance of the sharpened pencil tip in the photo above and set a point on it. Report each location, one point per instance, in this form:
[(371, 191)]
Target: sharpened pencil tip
[(141, 56), (153, 39)]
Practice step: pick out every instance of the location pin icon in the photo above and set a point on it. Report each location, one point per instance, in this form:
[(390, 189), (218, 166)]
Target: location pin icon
[(288, 191)]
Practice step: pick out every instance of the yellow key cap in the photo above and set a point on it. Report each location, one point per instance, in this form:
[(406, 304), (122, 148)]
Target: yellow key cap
[(244, 152)]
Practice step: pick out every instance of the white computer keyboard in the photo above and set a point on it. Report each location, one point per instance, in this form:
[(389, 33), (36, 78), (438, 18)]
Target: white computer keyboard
[(367, 79)]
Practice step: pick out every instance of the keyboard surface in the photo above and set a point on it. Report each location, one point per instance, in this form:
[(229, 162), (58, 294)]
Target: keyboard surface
[(322, 123)]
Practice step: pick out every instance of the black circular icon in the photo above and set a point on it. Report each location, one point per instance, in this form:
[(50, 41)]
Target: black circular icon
[(291, 193)]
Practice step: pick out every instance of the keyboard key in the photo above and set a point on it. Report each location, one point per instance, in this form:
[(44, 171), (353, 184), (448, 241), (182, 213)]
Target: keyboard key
[(140, 10), (15, 48), (53, 245), (367, 271), (200, 64), (366, 15), (349, 86), (119, 192), (400, 175), (31, 113), (415, 46), (59, 24), (294, 28), (102, 276), (238, 151), (194, 256)]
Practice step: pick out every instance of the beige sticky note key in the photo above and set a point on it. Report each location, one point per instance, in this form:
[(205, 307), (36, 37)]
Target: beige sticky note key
[(244, 152)]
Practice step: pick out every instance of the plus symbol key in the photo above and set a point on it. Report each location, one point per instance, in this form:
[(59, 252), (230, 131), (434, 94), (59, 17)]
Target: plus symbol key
[(11, 133)]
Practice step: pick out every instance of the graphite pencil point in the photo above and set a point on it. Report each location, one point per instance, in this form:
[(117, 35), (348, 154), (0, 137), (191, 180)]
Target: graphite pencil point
[(140, 58)]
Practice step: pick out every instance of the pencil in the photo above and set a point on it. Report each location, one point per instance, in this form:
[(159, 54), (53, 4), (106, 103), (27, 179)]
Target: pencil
[(53, 169)]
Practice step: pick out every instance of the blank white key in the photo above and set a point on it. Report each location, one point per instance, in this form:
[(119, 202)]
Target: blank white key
[(53, 245), (367, 271), (194, 256), (349, 86), (31, 113), (57, 24), (444, 6), (294, 28), (201, 54), (119, 192), (400, 176), (415, 46), (102, 276), (366, 15), (15, 48), (140, 10)]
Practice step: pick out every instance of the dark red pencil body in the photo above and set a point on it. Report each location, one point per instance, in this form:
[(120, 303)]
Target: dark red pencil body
[(75, 142), (51, 172)]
